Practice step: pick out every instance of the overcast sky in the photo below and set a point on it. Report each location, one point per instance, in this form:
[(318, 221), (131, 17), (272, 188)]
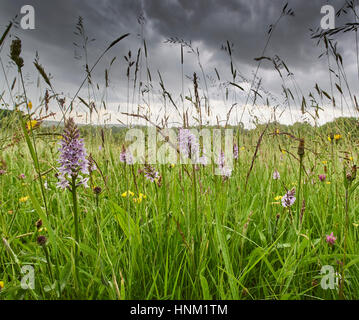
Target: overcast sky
[(207, 24)]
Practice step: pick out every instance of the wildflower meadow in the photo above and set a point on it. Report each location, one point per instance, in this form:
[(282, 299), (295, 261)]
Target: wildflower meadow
[(184, 210)]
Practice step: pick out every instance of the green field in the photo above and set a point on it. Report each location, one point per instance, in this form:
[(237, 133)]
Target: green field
[(193, 236), (171, 230)]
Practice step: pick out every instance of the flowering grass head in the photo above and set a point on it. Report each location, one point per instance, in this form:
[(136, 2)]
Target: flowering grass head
[(72, 158)]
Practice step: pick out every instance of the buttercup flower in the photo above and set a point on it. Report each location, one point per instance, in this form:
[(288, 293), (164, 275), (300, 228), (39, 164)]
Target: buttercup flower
[(124, 195), (32, 124), (337, 137), (24, 199), (139, 199)]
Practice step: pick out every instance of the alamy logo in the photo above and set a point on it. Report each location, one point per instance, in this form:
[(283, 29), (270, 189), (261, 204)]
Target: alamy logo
[(28, 19), (28, 279), (183, 147), (330, 278), (328, 21)]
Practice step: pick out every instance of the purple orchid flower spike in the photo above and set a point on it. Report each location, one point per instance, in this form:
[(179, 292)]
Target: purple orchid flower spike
[(289, 198), (72, 158)]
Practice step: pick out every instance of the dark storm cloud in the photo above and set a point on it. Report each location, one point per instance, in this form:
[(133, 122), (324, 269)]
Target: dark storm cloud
[(207, 23)]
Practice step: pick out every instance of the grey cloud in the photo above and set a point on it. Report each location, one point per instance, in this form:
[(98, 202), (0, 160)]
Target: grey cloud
[(208, 23)]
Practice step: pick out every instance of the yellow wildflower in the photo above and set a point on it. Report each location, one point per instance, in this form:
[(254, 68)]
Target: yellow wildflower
[(329, 139), (337, 136), (351, 158), (137, 200), (124, 195), (243, 148), (140, 197), (324, 162), (172, 165), (31, 124), (277, 131), (24, 199), (328, 182), (277, 198), (2, 285), (29, 105), (283, 151)]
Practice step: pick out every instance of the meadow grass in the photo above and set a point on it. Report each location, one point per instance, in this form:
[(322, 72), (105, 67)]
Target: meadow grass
[(238, 245), (190, 234)]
